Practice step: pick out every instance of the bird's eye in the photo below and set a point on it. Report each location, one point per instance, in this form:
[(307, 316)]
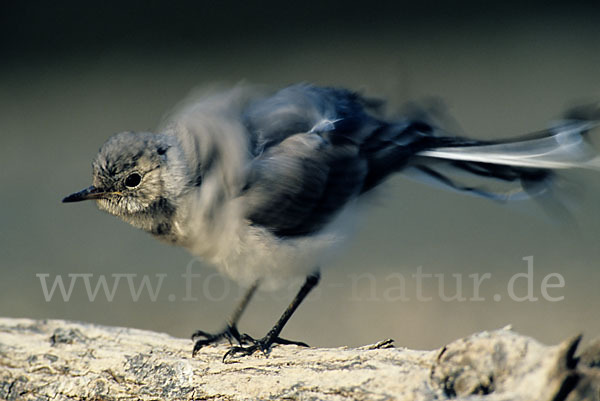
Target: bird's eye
[(133, 180)]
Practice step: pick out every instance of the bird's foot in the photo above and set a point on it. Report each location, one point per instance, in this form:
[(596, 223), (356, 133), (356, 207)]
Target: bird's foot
[(264, 344), (229, 333)]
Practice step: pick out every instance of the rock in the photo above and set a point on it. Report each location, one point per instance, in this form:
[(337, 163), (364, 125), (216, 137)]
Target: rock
[(59, 360)]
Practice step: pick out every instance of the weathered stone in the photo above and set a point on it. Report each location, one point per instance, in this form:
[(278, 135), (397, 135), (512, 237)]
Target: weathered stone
[(58, 360)]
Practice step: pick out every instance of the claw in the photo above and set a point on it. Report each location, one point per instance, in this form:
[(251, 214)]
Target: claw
[(264, 345), (283, 341), (230, 332), (197, 346), (245, 351)]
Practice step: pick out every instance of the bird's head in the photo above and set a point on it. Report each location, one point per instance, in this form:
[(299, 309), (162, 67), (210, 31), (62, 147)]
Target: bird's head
[(131, 175)]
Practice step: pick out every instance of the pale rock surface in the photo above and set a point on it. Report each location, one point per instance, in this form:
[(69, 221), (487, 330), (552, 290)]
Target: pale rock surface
[(59, 360)]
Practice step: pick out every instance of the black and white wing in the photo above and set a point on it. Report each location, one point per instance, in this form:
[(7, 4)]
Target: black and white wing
[(316, 149)]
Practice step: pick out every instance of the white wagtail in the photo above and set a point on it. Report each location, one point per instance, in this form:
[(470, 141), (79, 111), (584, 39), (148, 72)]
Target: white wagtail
[(256, 183)]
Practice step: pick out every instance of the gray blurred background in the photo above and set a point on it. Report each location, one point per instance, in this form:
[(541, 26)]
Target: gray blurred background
[(71, 75)]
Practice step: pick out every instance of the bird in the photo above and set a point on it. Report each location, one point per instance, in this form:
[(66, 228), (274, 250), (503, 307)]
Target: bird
[(261, 183)]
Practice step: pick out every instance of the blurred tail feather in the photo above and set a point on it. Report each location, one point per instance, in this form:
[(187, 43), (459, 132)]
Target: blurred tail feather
[(513, 170), (558, 148)]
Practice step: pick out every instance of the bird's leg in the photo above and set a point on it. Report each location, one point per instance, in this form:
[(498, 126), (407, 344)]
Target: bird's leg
[(272, 337), (230, 332)]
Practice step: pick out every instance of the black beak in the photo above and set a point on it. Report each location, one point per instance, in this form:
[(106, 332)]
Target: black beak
[(88, 193)]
